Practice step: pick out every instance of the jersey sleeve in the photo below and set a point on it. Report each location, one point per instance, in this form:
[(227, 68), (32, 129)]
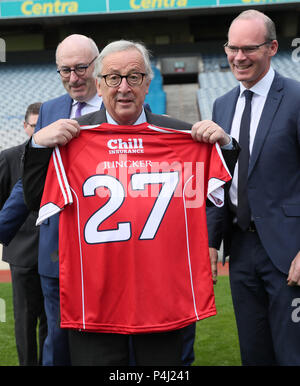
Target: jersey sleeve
[(57, 192), (218, 176)]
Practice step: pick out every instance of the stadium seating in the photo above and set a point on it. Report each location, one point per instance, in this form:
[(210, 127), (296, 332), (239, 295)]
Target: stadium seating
[(156, 96), (216, 80), (213, 84), (22, 85)]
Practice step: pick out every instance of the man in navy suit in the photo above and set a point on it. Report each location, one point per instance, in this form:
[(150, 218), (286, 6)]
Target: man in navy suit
[(13, 214), (75, 57), (22, 256), (264, 251)]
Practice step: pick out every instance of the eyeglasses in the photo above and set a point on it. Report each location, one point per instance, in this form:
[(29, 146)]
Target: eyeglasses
[(133, 79), (79, 70), (246, 50), (32, 125)]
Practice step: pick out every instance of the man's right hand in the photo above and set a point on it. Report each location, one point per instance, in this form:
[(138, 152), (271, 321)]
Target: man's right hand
[(57, 133), (213, 255)]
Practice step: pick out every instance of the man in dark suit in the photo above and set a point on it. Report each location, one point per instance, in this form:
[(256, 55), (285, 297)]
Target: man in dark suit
[(22, 256), (75, 57), (261, 233), (122, 81)]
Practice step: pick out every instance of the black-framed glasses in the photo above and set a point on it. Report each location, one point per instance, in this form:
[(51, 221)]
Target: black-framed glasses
[(133, 79), (32, 125), (79, 69), (246, 50)]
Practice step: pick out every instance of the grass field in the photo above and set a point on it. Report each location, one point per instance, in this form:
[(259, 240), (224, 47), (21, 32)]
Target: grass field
[(216, 339), (8, 353)]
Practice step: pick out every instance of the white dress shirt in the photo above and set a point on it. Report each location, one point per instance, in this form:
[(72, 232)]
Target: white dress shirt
[(260, 92), (92, 105), (141, 118)]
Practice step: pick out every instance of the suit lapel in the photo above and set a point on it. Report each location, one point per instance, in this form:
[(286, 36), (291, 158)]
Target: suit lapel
[(63, 109), (149, 117), (272, 103), (99, 116), (231, 110), (225, 117)]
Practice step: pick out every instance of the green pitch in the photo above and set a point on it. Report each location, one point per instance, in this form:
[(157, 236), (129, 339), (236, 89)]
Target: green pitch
[(216, 339)]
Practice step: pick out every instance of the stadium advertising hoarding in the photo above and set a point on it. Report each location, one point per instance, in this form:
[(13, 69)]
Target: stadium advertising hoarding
[(42, 8)]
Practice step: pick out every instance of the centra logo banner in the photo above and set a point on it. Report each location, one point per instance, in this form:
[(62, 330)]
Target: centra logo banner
[(35, 8), (146, 4)]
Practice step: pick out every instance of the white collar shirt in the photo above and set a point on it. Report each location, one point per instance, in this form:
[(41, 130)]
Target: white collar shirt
[(141, 118), (260, 92), (92, 105)]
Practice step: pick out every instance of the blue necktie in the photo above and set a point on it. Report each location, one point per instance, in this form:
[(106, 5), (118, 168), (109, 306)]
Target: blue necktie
[(80, 106), (243, 209)]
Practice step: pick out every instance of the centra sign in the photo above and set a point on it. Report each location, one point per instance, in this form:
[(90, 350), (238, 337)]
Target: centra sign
[(32, 8), (48, 8), (157, 4)]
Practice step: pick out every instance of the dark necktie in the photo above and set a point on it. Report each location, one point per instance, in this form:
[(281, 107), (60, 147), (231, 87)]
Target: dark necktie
[(243, 210), (80, 106)]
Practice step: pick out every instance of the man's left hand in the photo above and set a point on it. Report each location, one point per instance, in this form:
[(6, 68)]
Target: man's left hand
[(209, 132), (294, 272)]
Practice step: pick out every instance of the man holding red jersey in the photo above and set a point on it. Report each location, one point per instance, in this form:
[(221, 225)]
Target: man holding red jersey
[(123, 81)]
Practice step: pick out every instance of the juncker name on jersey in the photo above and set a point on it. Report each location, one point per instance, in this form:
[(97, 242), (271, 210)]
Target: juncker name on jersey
[(123, 168), (125, 163)]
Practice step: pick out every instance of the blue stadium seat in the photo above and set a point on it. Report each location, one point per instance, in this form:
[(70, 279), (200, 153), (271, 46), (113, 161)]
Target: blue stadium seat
[(22, 85), (157, 101)]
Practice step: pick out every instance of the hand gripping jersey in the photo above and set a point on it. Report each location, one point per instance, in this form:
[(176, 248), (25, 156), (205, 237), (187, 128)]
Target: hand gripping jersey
[(133, 244)]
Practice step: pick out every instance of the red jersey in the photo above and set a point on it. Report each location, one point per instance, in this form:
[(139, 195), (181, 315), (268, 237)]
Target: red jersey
[(133, 243)]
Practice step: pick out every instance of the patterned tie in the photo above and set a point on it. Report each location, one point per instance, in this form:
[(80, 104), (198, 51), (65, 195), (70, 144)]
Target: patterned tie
[(243, 210), (80, 106)]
